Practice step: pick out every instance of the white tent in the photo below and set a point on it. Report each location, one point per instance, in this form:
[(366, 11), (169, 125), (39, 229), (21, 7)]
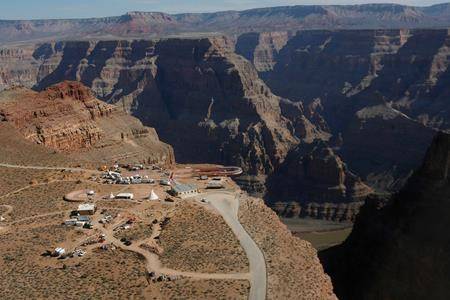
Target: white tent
[(153, 196), (111, 196)]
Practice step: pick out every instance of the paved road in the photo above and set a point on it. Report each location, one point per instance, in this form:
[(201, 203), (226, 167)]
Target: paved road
[(228, 207)]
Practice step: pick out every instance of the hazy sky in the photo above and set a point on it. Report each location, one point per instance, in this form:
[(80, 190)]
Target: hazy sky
[(35, 9)]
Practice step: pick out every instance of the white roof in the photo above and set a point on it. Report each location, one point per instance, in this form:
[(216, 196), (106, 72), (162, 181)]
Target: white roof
[(86, 206), (124, 195)]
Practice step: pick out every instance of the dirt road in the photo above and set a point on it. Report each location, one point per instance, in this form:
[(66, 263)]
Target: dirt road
[(47, 168), (228, 206), (154, 264)]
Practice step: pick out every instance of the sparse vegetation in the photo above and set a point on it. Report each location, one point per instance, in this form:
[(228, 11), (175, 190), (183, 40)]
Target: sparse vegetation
[(199, 240), (294, 271), (200, 289)]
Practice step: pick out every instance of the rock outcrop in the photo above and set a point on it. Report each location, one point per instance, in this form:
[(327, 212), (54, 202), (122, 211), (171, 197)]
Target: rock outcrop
[(399, 247), (69, 119)]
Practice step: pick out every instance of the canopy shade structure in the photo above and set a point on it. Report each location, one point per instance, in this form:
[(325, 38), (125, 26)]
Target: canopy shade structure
[(153, 196)]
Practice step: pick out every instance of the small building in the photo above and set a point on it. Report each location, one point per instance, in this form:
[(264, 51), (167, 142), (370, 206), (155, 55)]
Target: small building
[(216, 183), (80, 224), (165, 182), (125, 196), (70, 222), (184, 190), (86, 209), (60, 251), (84, 219)]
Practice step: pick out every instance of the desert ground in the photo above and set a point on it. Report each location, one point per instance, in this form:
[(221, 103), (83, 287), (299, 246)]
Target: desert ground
[(217, 244), (177, 248)]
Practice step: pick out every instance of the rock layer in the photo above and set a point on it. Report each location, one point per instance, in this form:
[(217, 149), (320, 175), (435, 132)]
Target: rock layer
[(389, 84), (314, 182), (69, 119), (331, 84)]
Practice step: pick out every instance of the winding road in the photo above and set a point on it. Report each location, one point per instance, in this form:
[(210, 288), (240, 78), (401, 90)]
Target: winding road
[(228, 206)]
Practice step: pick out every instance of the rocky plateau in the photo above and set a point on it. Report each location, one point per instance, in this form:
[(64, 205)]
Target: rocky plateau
[(138, 24)]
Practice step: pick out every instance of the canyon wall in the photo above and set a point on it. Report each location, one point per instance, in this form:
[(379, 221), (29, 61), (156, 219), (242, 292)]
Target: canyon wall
[(399, 247), (314, 182), (263, 97), (201, 97), (388, 84)]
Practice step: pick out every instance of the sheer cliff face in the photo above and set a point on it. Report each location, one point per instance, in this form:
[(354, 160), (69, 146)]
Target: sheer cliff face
[(215, 103), (69, 119), (389, 84), (403, 244), (202, 98), (313, 181), (262, 48), (320, 175)]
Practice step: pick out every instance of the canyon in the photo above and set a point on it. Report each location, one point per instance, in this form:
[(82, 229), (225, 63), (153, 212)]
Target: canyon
[(329, 110), (259, 100)]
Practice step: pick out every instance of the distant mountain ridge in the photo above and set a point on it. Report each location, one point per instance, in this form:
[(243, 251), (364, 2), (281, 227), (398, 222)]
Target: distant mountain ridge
[(284, 18)]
